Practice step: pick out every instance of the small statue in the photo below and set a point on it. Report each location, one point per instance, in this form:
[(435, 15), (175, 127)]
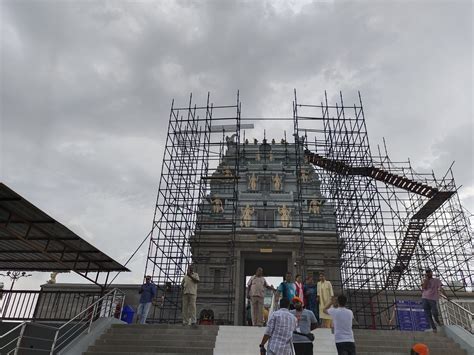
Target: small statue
[(257, 156), (284, 216), (306, 159), (253, 182), (230, 139), (227, 172), (246, 141), (273, 141), (255, 141), (217, 205), (304, 175), (247, 213), (277, 182), (270, 157), (315, 206), (52, 279)]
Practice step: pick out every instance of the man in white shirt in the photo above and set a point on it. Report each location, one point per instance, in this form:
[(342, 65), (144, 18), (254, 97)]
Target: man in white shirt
[(189, 285), (342, 321), (256, 294)]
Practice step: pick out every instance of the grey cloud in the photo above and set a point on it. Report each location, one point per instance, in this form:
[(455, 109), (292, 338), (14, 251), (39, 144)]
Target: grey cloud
[(86, 89)]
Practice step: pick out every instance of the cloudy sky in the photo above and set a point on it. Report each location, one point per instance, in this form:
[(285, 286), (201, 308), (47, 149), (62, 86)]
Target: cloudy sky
[(86, 88)]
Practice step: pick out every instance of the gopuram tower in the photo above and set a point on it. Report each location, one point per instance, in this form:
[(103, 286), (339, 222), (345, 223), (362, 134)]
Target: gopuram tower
[(281, 225)]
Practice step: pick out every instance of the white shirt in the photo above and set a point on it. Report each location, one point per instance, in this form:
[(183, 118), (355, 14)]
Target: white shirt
[(342, 320)]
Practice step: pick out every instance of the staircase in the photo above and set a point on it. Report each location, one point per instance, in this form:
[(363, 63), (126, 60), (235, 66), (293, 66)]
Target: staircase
[(436, 199), (240, 340), (392, 342), (147, 339)]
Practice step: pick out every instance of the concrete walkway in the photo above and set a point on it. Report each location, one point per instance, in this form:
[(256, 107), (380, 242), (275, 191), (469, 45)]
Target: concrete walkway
[(235, 340)]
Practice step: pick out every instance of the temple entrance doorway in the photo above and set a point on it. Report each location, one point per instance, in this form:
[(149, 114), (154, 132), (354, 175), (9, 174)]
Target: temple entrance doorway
[(274, 267)]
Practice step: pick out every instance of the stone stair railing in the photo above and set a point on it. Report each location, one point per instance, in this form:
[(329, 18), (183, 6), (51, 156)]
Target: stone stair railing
[(453, 313)]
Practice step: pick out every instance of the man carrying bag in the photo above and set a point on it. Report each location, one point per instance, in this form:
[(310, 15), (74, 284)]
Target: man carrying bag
[(302, 336)]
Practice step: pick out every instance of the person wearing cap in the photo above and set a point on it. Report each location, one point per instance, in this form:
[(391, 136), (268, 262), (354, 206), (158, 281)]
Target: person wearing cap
[(420, 349), (431, 287), (147, 293), (306, 322)]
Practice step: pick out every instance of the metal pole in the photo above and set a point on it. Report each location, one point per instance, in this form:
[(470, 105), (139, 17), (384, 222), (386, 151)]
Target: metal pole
[(121, 306), (18, 343), (53, 346), (92, 318), (113, 306)]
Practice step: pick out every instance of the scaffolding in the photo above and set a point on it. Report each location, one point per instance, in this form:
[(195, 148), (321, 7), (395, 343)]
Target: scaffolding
[(193, 145), (391, 221)]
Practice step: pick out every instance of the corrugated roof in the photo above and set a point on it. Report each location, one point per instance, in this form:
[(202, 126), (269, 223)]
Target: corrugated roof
[(30, 240)]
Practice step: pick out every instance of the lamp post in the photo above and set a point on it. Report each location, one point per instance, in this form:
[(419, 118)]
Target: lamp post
[(14, 276)]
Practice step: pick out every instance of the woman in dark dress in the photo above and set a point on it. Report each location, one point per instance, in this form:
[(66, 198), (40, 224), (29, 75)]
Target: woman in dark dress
[(310, 296)]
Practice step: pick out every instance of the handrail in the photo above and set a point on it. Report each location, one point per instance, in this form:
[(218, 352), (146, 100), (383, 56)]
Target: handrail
[(88, 307), (89, 317), (105, 305), (22, 324), (458, 305), (46, 305), (11, 330), (455, 314)]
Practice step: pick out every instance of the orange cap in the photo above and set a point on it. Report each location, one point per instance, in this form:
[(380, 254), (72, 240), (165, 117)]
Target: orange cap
[(421, 349), (297, 299)]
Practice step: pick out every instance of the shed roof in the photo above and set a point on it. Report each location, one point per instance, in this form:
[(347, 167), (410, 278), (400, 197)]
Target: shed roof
[(31, 240)]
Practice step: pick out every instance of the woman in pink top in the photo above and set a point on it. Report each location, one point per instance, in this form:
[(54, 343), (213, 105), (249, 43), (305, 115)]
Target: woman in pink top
[(299, 288)]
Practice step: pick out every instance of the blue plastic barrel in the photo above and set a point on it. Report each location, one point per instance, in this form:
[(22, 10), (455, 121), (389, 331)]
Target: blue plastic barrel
[(127, 314)]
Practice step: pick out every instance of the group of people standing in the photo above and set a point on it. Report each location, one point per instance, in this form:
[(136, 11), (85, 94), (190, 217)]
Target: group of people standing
[(302, 308), (313, 296), (289, 330), (189, 285)]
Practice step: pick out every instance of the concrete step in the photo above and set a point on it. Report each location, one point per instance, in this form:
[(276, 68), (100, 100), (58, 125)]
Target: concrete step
[(176, 349), (439, 339), (132, 353), (394, 333), (230, 341), (198, 343), (406, 342), (395, 351), (159, 336), (143, 339), (151, 328), (164, 327), (184, 333)]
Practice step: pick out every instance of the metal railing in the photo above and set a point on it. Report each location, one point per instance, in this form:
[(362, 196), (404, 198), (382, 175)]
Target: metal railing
[(456, 313), (44, 305), (18, 338)]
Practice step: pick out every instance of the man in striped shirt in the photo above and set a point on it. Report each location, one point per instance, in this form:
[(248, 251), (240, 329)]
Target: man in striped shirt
[(279, 331)]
